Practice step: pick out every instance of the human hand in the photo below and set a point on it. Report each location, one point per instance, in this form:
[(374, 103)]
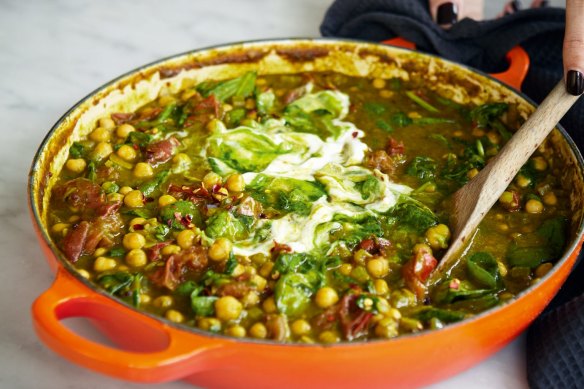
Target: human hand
[(573, 52)]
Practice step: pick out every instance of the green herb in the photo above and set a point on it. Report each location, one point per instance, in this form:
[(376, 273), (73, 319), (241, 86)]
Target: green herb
[(91, 171), (160, 232), (141, 139), (149, 187), (424, 168), (415, 216), (374, 108), (440, 138), (230, 264), (292, 294), (368, 303), (400, 119), (487, 116), (265, 102), (429, 121), (427, 313), (421, 102), (484, 269), (76, 150), (383, 125), (224, 224), (187, 288), (123, 284), (110, 187), (117, 252)]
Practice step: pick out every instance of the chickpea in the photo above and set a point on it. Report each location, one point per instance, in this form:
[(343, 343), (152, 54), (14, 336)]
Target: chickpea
[(326, 297), (378, 83), (269, 305), (102, 150), (534, 206), (209, 324), (143, 170), (300, 327), (134, 240), (174, 316), (74, 219), (185, 239), (76, 165), (134, 199), (211, 179), (163, 301), (236, 331), (136, 258), (250, 299), (266, 269), (381, 287), (145, 299), (386, 94), (124, 130), (107, 123), (235, 183), (102, 264), (127, 153), (84, 273), (170, 249), (346, 269), (181, 160), (125, 190), (438, 236), (543, 269), (509, 200), (220, 249), (258, 331), (259, 281), (522, 181), (328, 337), (494, 137), (100, 134), (165, 200), (378, 267), (60, 228), (472, 172), (550, 198), (238, 270), (386, 328), (100, 252), (539, 163), (228, 308)]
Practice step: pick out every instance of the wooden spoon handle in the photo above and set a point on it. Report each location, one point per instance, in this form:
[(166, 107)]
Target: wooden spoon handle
[(473, 201)]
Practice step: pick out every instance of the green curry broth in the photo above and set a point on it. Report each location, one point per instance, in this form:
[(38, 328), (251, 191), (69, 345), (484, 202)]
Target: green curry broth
[(359, 288)]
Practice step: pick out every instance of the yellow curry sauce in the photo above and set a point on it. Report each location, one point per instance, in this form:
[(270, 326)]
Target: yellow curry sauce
[(308, 208)]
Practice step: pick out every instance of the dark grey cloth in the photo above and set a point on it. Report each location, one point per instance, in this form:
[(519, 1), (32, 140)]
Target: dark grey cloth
[(555, 342)]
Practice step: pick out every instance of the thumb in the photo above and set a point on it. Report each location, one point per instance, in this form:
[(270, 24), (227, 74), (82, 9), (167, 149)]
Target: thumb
[(573, 53)]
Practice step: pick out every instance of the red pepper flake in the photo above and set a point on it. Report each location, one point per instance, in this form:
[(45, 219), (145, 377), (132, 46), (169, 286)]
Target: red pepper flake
[(148, 199), (354, 134), (216, 188), (138, 227)]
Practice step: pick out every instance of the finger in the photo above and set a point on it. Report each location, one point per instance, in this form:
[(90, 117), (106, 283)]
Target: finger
[(445, 12), (574, 47)]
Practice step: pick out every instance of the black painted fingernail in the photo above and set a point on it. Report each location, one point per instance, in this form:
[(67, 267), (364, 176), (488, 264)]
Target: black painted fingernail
[(447, 13), (544, 3), (574, 83), (516, 5)]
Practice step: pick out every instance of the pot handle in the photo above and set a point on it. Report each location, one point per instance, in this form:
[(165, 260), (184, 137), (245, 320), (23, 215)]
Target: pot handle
[(516, 57), (159, 352)]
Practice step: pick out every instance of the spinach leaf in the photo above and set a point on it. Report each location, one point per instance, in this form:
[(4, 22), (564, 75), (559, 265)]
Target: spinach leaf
[(122, 284), (234, 117), (224, 224), (160, 232), (426, 313), (285, 194), (528, 256), (487, 116), (117, 252), (149, 187), (414, 215), (373, 108), (385, 126), (314, 112), (453, 291), (187, 288), (203, 305), (242, 86), (424, 168), (484, 269), (292, 294), (91, 171), (175, 214), (554, 231)]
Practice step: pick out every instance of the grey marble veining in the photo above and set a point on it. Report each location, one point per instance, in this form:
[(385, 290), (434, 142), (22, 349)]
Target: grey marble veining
[(52, 53)]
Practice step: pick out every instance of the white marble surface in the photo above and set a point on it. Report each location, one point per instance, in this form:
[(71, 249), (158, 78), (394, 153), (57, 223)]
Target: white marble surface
[(52, 53)]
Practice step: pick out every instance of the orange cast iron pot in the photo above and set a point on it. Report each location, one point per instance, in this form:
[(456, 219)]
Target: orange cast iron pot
[(151, 349)]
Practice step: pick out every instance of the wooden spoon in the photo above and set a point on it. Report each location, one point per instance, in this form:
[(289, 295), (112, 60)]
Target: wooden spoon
[(473, 200)]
